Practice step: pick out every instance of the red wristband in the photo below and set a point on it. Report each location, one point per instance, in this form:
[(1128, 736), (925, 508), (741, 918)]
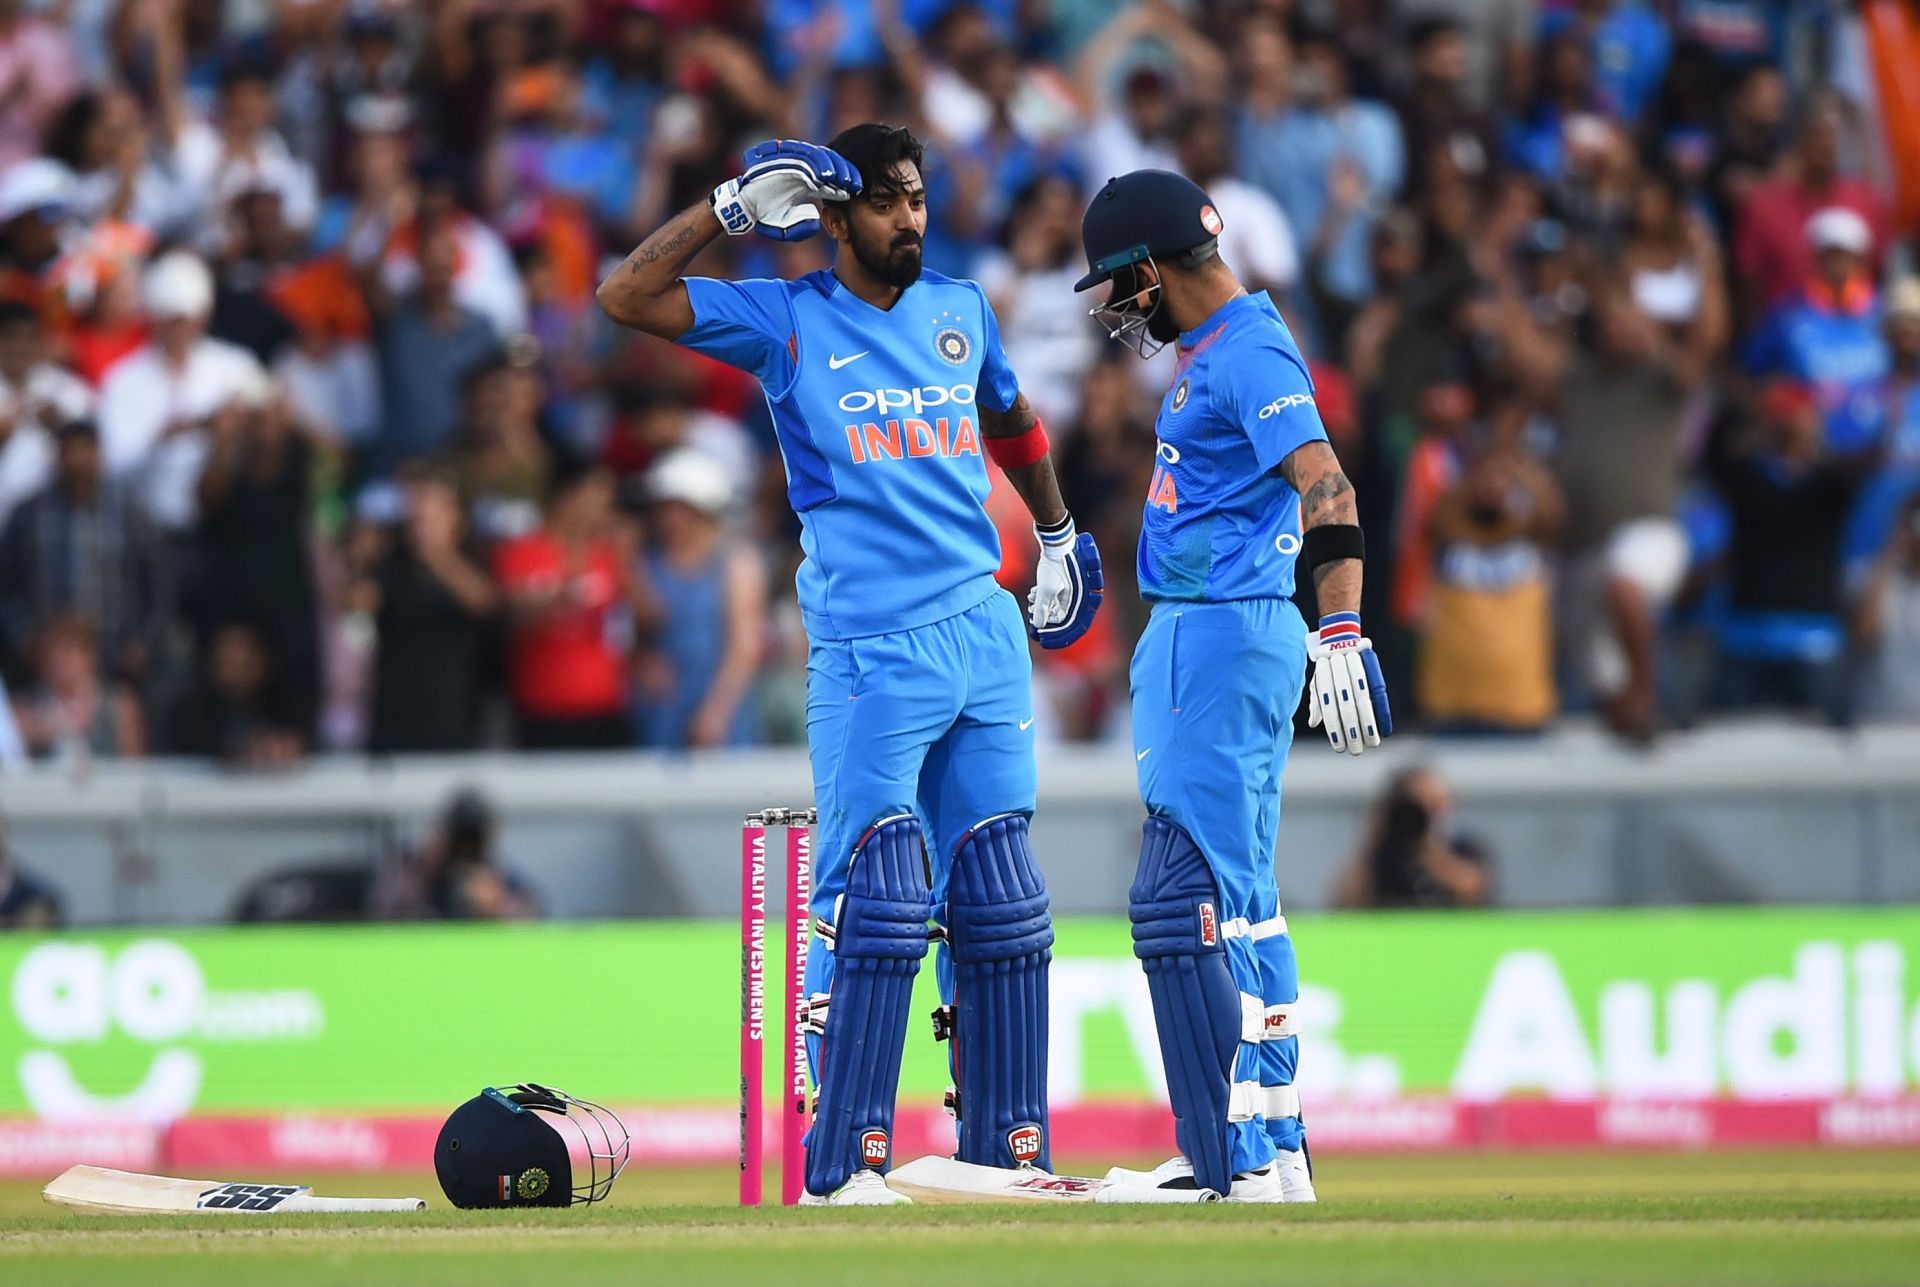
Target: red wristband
[(1016, 451)]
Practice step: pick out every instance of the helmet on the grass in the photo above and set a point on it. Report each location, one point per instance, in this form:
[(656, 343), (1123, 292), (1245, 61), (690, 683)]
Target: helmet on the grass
[(524, 1146)]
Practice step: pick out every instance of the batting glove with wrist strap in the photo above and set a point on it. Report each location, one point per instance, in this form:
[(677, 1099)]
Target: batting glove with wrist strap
[(780, 193), (1067, 586), (1348, 696)]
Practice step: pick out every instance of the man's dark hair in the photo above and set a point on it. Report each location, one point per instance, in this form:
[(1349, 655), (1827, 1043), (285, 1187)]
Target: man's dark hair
[(875, 150)]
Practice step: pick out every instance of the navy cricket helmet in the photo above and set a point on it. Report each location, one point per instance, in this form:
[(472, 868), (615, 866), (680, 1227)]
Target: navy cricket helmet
[(1146, 214), (518, 1148)]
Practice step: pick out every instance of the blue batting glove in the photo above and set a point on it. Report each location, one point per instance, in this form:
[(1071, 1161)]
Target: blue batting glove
[(1348, 695), (780, 193), (1067, 586)]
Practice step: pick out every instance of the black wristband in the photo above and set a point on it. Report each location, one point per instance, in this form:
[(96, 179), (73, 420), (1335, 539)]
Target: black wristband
[(1331, 542)]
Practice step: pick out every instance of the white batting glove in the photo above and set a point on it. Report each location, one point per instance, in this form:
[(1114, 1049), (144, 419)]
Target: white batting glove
[(1348, 697), (780, 193)]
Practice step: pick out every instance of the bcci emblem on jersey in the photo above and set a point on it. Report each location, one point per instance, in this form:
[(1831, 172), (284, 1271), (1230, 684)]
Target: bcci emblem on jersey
[(1180, 394), (952, 345)]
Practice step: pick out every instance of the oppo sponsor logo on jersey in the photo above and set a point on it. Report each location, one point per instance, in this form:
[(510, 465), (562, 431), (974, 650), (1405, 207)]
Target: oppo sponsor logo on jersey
[(912, 436)]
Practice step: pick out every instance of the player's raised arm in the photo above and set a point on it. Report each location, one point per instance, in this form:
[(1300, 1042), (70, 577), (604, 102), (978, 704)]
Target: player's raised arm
[(778, 196), (1349, 696)]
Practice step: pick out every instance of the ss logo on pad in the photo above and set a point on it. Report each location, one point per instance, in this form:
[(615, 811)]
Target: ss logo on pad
[(873, 1148)]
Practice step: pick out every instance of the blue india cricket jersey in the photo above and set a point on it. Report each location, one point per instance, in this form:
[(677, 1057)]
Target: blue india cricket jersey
[(875, 413), (1221, 523)]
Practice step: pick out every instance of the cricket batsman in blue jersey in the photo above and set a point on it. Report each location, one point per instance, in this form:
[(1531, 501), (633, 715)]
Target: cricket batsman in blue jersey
[(1244, 486), (889, 390)]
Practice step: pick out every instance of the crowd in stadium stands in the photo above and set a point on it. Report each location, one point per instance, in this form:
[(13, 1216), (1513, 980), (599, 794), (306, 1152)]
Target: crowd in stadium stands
[(312, 437)]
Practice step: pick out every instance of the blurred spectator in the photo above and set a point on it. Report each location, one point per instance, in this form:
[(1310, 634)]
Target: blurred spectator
[(1497, 39), (1772, 250), (712, 615), (1628, 47), (1753, 134), (1900, 395), (256, 559), (1827, 334), (1410, 854), (1787, 495), (457, 875), (571, 601), (1486, 657), (26, 903), (478, 273), (36, 200), (240, 712), (80, 546), (254, 245), (1437, 118), (625, 78), (429, 343), (1887, 622), (1673, 266), (38, 66), (1030, 283), (1621, 414), (36, 398), (1255, 238), (72, 714), (498, 462), (1132, 134), (102, 137), (1329, 159), (236, 151), (431, 600), (157, 404)]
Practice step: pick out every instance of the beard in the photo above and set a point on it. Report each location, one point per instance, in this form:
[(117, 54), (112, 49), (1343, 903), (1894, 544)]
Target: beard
[(897, 264)]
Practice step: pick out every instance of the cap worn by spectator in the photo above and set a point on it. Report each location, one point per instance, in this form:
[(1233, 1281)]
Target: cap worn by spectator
[(691, 478), (178, 285), (1838, 228), (35, 186)]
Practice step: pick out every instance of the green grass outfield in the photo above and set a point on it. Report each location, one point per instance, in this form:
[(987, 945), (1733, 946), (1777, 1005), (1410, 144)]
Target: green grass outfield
[(1749, 1219)]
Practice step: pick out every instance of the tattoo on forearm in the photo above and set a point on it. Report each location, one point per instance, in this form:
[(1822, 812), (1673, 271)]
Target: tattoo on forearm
[(654, 253), (1016, 419), (1330, 497)]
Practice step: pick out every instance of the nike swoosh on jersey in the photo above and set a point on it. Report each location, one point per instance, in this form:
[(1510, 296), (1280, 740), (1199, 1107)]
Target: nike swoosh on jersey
[(1143, 755), (1026, 724), (835, 363)]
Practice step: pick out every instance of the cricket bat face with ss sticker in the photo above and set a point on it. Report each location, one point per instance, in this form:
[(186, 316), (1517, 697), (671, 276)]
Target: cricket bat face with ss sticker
[(101, 1191)]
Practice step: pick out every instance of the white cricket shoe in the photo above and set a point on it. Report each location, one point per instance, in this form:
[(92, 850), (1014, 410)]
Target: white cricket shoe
[(863, 1189), (1285, 1179)]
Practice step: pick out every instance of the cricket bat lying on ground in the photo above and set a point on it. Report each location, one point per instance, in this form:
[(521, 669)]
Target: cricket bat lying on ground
[(946, 1179), (101, 1191)]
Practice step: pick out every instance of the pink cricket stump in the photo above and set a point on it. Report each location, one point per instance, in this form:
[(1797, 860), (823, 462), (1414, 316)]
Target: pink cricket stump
[(753, 1004), (793, 1117)]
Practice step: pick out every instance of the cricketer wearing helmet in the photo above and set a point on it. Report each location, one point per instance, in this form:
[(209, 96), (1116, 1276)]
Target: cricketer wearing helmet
[(889, 390), (1244, 486)]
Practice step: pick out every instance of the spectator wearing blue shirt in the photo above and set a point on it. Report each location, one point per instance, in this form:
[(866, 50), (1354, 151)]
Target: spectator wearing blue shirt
[(622, 83), (1829, 335), (1300, 136), (1629, 45), (1536, 143), (1898, 396)]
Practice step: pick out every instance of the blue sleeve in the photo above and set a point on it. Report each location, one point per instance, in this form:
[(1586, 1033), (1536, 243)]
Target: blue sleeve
[(748, 324), (1270, 396), (998, 384)]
